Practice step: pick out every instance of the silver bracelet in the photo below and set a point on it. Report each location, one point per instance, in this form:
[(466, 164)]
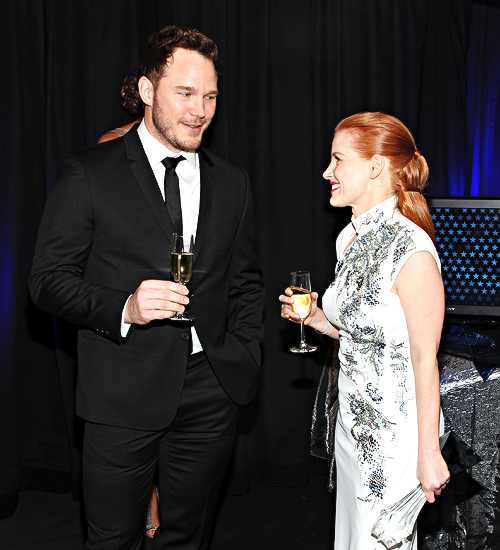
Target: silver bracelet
[(327, 330)]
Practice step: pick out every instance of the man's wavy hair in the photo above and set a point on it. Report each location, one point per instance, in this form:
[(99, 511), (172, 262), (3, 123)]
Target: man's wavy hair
[(160, 49)]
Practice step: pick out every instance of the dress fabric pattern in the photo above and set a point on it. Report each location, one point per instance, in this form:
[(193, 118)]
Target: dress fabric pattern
[(376, 437)]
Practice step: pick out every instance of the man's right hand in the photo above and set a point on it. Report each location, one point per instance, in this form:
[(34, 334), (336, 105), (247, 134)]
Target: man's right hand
[(155, 299)]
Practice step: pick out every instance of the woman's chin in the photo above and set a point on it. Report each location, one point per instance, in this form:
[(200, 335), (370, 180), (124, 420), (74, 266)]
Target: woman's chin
[(335, 201)]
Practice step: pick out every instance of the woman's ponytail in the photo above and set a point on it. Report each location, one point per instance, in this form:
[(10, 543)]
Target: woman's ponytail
[(409, 183)]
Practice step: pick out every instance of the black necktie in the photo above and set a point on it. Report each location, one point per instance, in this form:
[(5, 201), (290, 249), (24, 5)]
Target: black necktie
[(172, 193)]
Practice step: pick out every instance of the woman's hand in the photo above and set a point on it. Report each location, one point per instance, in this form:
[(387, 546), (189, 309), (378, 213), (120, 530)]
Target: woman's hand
[(316, 319), (432, 473), (287, 310)]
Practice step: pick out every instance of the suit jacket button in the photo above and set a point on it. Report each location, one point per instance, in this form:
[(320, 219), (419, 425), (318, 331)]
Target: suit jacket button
[(185, 336)]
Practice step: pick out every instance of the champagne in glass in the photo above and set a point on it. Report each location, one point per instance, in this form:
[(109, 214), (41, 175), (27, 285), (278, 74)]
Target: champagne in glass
[(300, 283), (181, 265)]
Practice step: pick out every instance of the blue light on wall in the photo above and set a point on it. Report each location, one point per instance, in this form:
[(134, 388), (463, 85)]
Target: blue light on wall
[(483, 100), (6, 273)]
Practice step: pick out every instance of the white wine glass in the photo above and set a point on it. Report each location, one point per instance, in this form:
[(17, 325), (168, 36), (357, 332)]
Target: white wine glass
[(181, 265), (300, 283)]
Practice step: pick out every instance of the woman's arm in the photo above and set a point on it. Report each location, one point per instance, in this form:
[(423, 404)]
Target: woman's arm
[(421, 292)]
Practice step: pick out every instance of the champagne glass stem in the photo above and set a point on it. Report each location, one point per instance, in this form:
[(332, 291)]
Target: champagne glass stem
[(302, 334)]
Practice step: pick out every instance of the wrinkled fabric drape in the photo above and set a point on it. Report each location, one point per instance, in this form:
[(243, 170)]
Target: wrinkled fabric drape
[(289, 71)]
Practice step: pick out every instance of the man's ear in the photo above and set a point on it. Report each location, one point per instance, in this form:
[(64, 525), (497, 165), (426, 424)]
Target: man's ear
[(377, 165), (146, 90)]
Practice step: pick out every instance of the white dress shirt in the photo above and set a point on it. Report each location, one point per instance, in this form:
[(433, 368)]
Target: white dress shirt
[(189, 185)]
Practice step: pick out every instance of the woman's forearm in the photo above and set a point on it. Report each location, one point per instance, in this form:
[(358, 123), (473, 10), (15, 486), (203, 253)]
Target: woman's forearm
[(428, 406)]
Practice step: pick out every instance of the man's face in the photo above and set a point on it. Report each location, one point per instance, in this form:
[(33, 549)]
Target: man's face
[(180, 109)]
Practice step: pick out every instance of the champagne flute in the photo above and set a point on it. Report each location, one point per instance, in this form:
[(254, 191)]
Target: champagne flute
[(300, 283), (181, 265)]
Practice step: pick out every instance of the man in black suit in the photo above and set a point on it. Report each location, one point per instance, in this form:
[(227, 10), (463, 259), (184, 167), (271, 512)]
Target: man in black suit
[(153, 391)]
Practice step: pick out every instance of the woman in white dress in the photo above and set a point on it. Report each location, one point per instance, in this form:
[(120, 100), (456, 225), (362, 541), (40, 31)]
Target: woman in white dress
[(386, 305)]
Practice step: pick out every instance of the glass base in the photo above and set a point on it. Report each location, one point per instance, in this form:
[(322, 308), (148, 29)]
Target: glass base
[(303, 348), (181, 317)]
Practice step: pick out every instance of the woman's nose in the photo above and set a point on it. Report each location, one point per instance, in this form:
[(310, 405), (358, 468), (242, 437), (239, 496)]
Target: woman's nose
[(328, 173)]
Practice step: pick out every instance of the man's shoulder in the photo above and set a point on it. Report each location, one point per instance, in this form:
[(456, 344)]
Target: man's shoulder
[(128, 145), (105, 161), (100, 151)]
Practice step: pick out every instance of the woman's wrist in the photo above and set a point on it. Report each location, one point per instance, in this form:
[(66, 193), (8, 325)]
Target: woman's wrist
[(428, 446), (328, 328), (323, 328)]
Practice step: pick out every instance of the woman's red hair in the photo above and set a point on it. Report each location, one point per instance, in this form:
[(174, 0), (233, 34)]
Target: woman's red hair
[(385, 135)]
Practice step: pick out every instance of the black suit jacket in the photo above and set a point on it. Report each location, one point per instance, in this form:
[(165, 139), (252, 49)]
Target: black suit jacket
[(105, 228)]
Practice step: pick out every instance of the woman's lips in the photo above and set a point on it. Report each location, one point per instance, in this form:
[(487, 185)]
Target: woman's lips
[(335, 186)]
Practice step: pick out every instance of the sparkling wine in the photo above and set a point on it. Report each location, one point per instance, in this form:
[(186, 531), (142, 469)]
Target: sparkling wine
[(181, 266), (302, 302)]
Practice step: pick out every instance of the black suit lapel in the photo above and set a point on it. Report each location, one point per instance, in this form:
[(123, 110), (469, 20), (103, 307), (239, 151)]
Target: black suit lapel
[(207, 176), (143, 173)]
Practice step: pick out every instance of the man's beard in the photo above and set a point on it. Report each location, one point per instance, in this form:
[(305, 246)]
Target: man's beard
[(164, 127)]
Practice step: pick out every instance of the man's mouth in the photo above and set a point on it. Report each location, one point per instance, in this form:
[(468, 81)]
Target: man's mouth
[(194, 127)]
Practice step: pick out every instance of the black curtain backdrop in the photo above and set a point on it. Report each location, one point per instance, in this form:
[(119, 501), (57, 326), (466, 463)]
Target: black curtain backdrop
[(289, 71)]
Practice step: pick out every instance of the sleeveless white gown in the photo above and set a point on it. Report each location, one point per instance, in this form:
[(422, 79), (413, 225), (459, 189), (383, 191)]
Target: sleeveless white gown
[(376, 432)]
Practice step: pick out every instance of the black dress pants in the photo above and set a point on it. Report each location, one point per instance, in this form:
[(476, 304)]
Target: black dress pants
[(192, 456)]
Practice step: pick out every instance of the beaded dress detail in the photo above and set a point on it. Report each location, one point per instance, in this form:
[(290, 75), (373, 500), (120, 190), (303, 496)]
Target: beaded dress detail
[(376, 434)]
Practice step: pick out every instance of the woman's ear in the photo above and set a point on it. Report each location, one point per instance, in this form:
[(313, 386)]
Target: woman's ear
[(377, 165)]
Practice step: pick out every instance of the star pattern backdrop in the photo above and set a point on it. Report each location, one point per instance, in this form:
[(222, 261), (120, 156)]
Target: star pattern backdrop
[(467, 240)]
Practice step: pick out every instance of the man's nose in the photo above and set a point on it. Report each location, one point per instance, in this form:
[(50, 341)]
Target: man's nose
[(198, 107)]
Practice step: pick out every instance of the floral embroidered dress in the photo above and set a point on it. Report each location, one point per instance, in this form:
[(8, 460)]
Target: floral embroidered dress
[(376, 433)]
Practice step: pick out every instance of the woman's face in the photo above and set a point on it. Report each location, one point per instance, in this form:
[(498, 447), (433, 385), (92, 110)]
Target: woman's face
[(350, 176)]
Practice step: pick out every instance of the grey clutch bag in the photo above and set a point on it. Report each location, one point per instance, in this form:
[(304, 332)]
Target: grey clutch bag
[(396, 523)]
